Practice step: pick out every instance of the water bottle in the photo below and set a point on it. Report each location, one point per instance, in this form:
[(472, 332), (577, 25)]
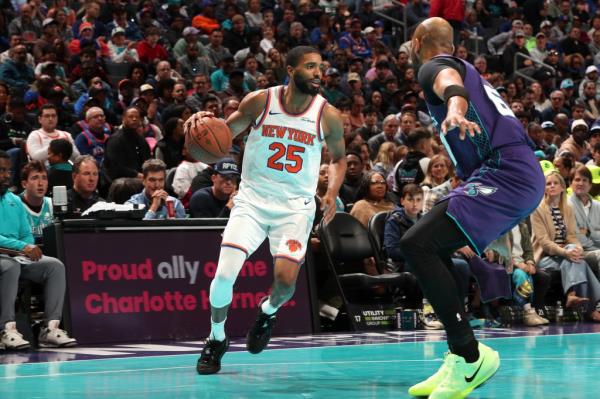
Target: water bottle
[(560, 313)]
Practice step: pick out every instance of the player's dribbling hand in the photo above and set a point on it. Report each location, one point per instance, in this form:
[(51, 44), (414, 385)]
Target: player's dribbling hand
[(453, 121), (328, 208), (195, 119)]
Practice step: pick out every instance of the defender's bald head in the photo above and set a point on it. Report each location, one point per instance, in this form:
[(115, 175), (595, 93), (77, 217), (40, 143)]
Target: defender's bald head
[(434, 35)]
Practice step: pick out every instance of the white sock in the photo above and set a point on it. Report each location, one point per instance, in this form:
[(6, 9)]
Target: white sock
[(527, 307), (267, 308), (217, 330)]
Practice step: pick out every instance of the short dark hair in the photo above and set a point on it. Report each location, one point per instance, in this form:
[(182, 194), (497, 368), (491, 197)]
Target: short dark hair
[(123, 188), (48, 106), (153, 165), (414, 137), (582, 171), (369, 110), (412, 190), (62, 148), (294, 55), (30, 167), (81, 159)]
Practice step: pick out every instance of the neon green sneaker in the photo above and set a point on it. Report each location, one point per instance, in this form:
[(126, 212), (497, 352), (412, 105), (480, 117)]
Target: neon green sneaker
[(462, 377), (425, 388)]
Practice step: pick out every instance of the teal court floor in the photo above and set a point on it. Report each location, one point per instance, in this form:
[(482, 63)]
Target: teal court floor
[(536, 363)]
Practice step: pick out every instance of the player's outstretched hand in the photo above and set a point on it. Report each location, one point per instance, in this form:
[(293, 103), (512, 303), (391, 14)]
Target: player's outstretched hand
[(195, 119), (328, 208), (453, 121)]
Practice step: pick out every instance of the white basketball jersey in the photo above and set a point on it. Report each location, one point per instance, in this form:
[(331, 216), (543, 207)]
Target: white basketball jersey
[(283, 151)]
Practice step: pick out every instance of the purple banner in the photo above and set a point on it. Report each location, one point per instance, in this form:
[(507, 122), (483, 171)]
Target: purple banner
[(154, 285)]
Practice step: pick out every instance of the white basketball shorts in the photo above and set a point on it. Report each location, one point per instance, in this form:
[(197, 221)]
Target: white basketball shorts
[(287, 224)]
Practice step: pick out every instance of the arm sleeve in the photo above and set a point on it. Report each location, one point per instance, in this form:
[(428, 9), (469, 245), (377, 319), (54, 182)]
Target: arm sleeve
[(429, 71), (35, 148), (391, 237), (181, 182)]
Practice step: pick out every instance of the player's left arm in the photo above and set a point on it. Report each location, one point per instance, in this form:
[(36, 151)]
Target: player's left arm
[(449, 86), (334, 138)]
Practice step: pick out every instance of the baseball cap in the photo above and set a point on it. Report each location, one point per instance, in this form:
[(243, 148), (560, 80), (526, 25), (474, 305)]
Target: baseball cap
[(547, 167), (595, 171), (519, 33), (590, 69), (332, 71), (84, 26), (48, 21), (567, 84), (517, 22), (146, 87), (226, 166), (124, 82), (540, 34), (379, 23), (369, 29), (595, 127), (190, 30), (545, 23), (548, 125), (353, 76), (579, 123), (117, 30)]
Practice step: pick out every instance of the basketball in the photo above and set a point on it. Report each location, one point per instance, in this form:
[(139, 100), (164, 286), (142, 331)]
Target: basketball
[(209, 141)]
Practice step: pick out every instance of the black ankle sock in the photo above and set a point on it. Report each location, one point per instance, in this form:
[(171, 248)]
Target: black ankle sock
[(469, 351)]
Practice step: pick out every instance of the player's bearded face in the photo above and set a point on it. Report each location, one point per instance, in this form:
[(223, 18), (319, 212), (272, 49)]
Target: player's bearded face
[(307, 84)]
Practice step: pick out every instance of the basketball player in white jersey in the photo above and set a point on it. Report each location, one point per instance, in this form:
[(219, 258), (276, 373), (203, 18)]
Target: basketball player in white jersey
[(288, 126)]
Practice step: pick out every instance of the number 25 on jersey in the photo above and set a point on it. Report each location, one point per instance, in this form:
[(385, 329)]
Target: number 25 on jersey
[(292, 154)]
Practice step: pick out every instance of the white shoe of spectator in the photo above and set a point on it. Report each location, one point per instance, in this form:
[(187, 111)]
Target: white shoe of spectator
[(532, 319), (11, 339), (53, 337), (429, 318)]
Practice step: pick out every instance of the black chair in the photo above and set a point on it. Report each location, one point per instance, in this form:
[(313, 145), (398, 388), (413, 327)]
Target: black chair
[(376, 231), (169, 182), (346, 242)]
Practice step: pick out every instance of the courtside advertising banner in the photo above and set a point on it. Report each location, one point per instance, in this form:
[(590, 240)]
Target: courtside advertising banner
[(154, 285)]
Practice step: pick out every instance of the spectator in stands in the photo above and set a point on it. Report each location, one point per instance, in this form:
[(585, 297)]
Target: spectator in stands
[(497, 44), (94, 132), (556, 247), (121, 50), (384, 161), (573, 45), (371, 126), (589, 98), (185, 173), (331, 90), (84, 193), (192, 64), (557, 102), (235, 39), (189, 37), (576, 143), (15, 71), (215, 49), (439, 170), (123, 188), (237, 87), (149, 50), (34, 181), (252, 49), (120, 20), (49, 35), (216, 201), (354, 176), (60, 170), (529, 284), (412, 169), (126, 150), (25, 22), (510, 52), (372, 197), (390, 128), (90, 16), (15, 235), (154, 196), (201, 89), (39, 140), (14, 130), (219, 79), (230, 105), (253, 15), (587, 217), (591, 75)]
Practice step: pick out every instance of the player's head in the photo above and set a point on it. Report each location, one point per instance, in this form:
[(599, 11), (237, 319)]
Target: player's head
[(433, 36), (303, 64)]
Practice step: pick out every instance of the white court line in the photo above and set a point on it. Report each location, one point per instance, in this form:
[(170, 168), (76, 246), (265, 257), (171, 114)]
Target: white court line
[(519, 359), (305, 348)]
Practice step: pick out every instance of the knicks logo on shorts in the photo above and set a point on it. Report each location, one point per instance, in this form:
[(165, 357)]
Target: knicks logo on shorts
[(293, 245), (474, 189)]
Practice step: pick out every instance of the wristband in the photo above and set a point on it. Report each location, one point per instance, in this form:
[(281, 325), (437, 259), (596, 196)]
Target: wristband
[(455, 90)]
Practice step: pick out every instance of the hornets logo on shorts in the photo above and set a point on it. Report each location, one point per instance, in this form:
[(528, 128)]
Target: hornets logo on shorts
[(293, 245), (474, 189)]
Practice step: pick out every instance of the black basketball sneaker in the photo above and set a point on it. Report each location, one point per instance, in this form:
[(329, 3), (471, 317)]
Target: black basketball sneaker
[(259, 335), (210, 358)]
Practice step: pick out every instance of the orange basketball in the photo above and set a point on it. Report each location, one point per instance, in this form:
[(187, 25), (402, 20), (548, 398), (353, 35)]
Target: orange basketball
[(209, 141)]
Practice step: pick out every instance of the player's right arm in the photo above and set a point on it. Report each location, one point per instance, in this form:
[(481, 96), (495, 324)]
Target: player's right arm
[(250, 108)]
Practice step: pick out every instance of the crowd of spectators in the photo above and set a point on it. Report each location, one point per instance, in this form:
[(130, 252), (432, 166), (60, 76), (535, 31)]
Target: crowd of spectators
[(96, 92)]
